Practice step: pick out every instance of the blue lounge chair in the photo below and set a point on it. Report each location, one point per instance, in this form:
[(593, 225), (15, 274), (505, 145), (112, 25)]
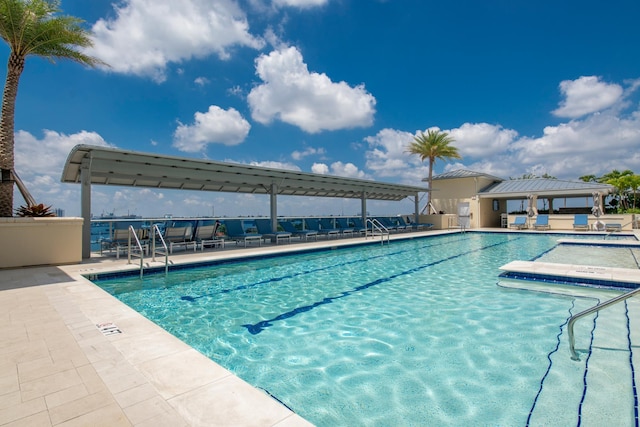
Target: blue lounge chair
[(581, 222), (415, 226), (613, 227), (520, 222), (542, 222), (264, 228), (314, 224), (386, 222), (290, 228), (344, 227), (235, 231), (359, 227)]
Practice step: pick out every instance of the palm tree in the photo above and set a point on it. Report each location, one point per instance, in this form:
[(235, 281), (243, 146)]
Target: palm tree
[(31, 27), (434, 145)]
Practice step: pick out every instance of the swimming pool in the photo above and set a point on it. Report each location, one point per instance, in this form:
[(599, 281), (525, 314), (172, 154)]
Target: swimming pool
[(413, 333)]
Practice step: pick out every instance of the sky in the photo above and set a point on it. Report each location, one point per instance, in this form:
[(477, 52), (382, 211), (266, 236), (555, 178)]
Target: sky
[(336, 87)]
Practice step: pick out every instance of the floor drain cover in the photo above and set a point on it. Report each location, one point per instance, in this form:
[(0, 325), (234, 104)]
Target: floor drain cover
[(108, 328)]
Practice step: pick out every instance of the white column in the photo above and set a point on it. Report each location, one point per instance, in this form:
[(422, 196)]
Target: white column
[(85, 206)]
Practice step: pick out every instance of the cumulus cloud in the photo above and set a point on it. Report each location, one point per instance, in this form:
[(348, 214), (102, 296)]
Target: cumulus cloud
[(201, 81), (39, 163), (347, 170), (146, 35), (309, 100), (482, 139), (302, 4), (387, 157), (309, 151), (586, 95), (277, 165), (226, 127), (320, 168)]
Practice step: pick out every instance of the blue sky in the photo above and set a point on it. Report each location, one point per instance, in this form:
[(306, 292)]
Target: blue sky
[(337, 87)]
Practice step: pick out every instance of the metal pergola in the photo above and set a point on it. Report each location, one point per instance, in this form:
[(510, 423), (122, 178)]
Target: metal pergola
[(88, 165)]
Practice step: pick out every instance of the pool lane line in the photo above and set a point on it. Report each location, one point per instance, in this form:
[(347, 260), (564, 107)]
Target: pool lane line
[(546, 374), (256, 328), (633, 371), (316, 270)]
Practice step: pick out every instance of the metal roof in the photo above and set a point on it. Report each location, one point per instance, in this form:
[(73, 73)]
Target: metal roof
[(463, 173), (110, 166), (545, 187)]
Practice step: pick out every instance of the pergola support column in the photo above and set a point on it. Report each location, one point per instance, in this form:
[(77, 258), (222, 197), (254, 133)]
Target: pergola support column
[(85, 207), (363, 207), (274, 206)]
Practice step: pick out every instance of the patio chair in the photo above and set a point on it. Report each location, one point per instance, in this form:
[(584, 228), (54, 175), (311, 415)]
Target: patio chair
[(235, 231), (519, 223), (344, 227), (386, 222), (119, 241), (206, 235), (542, 222), (290, 228), (415, 226), (358, 226), (581, 222), (177, 236), (613, 227), (264, 228), (314, 224)]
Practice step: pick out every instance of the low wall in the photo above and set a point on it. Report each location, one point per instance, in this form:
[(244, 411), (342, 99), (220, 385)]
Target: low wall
[(40, 241), (565, 222)]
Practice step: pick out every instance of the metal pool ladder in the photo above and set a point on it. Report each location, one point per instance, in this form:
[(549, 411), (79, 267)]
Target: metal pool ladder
[(379, 228), (576, 317)]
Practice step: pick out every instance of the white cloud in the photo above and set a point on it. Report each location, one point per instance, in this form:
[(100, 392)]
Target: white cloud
[(482, 139), (387, 157), (309, 151), (39, 163), (226, 127), (309, 100), (586, 95), (276, 165), (300, 3), (146, 35), (201, 81), (347, 170), (320, 168)]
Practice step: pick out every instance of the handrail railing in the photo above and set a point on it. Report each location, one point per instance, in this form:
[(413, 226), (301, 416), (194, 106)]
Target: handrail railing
[(618, 230), (576, 317), (377, 225), (132, 232), (156, 232)]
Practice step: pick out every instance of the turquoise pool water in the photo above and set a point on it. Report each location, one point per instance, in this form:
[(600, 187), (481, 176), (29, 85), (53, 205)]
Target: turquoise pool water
[(411, 333)]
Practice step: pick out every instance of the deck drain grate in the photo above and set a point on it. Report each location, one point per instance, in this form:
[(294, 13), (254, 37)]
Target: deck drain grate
[(108, 328)]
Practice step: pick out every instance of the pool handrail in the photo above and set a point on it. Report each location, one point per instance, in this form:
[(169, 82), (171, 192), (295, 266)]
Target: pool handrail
[(377, 225), (132, 232), (156, 232), (573, 319)]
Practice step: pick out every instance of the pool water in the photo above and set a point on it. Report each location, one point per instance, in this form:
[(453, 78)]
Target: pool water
[(412, 333), (593, 255)]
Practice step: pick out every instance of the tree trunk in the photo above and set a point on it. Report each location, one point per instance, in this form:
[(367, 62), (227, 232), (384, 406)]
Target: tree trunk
[(15, 66)]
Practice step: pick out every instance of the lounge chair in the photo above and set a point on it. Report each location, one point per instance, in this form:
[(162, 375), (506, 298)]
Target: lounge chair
[(176, 236), (542, 222), (206, 236), (519, 223), (314, 224), (264, 228), (359, 227), (415, 226), (344, 227), (290, 228), (386, 222), (613, 227), (580, 222), (119, 241), (235, 231)]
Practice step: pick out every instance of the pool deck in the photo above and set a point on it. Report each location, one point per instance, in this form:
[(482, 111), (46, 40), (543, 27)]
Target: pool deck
[(72, 355)]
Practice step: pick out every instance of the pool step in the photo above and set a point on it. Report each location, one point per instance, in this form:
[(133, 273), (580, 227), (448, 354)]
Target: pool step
[(607, 370)]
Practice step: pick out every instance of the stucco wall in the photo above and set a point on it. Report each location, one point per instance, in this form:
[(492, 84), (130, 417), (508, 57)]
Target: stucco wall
[(40, 241)]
